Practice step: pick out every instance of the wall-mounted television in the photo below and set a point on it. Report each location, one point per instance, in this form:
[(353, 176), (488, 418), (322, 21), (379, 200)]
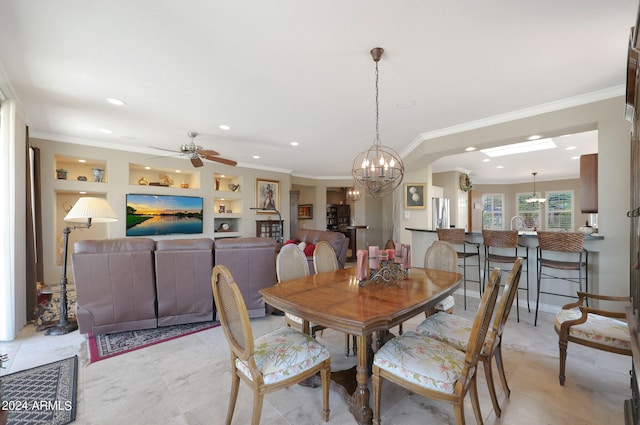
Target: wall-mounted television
[(149, 215)]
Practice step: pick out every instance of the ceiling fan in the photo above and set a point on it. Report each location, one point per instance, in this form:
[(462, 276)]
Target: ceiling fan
[(195, 153)]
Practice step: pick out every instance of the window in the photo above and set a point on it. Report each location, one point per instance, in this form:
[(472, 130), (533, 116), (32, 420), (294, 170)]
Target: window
[(492, 212), (560, 210), (529, 211)]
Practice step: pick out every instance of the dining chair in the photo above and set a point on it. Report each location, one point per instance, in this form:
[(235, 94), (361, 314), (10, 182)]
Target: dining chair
[(276, 360), (325, 260), (441, 255), (596, 328), (575, 259), (465, 250), (434, 369), (291, 263), (497, 248), (455, 330)]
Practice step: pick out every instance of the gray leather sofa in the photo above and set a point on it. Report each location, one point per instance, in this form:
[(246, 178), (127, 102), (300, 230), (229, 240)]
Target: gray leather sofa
[(115, 285), (338, 241), (137, 283), (252, 263)]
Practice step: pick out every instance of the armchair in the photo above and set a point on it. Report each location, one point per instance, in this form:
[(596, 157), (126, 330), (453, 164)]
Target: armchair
[(591, 327)]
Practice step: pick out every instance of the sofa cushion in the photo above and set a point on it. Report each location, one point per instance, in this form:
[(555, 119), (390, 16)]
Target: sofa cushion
[(339, 242)]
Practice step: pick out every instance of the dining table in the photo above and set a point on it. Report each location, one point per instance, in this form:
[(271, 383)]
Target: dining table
[(339, 301)]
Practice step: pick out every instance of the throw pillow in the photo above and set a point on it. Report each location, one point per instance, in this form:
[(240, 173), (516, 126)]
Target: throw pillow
[(308, 250), (290, 241), (302, 245)]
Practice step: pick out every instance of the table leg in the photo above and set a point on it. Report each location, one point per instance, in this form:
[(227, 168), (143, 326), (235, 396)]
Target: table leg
[(360, 401)]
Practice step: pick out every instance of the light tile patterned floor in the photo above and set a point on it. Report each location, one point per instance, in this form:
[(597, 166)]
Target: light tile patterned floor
[(185, 381)]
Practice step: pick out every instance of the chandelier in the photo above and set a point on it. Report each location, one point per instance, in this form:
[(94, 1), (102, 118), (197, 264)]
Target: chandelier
[(533, 198), (379, 169), (354, 194)]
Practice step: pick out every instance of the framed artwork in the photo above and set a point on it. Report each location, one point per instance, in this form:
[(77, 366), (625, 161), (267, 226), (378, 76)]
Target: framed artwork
[(414, 194), (267, 195), (305, 211)]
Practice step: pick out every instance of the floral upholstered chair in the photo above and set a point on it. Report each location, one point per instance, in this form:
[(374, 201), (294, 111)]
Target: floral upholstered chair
[(435, 369), (277, 360), (455, 330), (591, 327)]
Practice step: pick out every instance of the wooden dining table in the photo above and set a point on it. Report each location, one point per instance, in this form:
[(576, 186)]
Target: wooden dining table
[(336, 300)]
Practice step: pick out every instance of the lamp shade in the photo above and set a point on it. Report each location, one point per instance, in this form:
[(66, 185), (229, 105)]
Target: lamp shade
[(96, 209)]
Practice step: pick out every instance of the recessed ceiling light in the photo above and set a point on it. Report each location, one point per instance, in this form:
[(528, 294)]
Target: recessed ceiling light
[(523, 147), (256, 156), (406, 104), (82, 160), (177, 171), (147, 168), (470, 149), (570, 148), (486, 160), (222, 176), (575, 157), (534, 137), (500, 166), (294, 143), (115, 101), (105, 131), (82, 193), (224, 127)]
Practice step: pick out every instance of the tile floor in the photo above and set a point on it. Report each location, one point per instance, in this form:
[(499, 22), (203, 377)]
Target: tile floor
[(186, 381)]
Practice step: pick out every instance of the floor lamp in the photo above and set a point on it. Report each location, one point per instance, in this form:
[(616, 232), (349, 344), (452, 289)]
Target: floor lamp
[(280, 237), (87, 210)]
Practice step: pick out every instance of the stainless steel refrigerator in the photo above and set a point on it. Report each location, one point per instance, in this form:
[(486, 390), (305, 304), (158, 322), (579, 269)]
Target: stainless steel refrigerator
[(440, 213)]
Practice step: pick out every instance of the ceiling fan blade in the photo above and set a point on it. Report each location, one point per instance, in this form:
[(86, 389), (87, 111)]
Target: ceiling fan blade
[(221, 160), (207, 152), (163, 149), (197, 162)]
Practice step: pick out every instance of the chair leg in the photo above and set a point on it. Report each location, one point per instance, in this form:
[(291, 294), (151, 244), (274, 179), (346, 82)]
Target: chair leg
[(377, 388), (492, 388), (233, 396), (473, 390), (346, 345), (500, 365), (325, 374), (258, 398), (539, 267), (464, 274), (527, 261), (563, 359)]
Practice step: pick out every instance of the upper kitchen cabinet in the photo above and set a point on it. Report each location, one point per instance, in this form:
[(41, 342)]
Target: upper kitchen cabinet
[(589, 183)]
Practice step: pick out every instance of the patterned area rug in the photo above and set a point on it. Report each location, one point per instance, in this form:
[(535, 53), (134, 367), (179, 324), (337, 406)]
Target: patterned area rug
[(104, 346), (43, 395)]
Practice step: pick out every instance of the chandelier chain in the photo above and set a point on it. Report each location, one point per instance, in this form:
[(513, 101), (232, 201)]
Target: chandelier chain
[(377, 109)]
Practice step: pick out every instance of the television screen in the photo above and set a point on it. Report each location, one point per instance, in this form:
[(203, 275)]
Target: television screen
[(163, 214)]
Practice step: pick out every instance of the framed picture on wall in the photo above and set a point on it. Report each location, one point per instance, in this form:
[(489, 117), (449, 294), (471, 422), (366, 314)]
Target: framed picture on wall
[(414, 196), (267, 195), (305, 211)]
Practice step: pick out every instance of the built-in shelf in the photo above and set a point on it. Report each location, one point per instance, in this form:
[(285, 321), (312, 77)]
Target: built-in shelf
[(141, 175), (82, 170), (227, 183)]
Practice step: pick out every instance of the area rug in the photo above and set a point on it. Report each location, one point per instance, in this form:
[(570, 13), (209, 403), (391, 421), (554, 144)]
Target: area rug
[(43, 395), (109, 345)]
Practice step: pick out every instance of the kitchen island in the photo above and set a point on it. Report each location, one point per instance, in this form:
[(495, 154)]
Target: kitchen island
[(421, 239)]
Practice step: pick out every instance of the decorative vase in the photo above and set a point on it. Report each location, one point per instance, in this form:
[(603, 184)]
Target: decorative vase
[(98, 175), (217, 184)]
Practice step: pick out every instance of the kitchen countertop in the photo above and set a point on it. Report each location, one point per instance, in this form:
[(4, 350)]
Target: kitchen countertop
[(525, 234)]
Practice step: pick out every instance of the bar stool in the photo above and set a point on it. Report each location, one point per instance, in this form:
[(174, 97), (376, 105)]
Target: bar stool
[(570, 255), (505, 239), (456, 237)]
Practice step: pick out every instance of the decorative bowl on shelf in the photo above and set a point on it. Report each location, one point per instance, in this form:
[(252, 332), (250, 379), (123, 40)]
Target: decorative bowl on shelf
[(234, 187)]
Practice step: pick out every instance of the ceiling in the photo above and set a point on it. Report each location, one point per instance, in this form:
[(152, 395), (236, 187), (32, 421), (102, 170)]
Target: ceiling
[(287, 71)]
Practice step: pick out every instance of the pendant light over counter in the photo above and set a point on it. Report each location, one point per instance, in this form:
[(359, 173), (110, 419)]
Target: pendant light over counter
[(534, 198), (379, 169)]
